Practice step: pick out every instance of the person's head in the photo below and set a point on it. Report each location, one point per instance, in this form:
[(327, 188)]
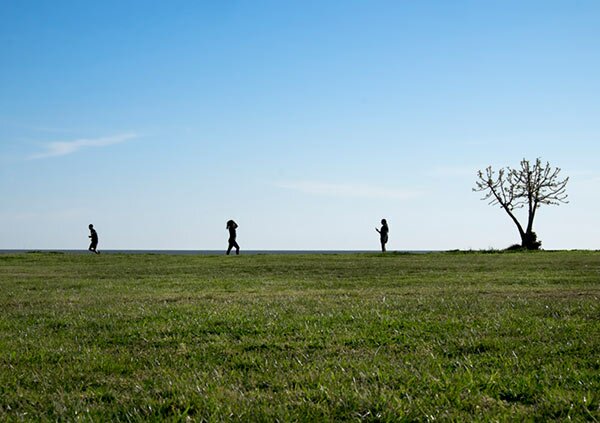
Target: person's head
[(383, 222), (230, 223), (91, 226)]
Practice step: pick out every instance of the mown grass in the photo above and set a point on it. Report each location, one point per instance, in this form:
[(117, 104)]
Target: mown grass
[(444, 336)]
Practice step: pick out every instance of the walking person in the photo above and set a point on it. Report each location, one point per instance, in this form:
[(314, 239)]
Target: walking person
[(232, 226), (94, 237), (383, 234)]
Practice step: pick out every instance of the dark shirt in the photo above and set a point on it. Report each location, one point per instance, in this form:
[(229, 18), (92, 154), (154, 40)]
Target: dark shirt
[(94, 235), (232, 233), (384, 233)]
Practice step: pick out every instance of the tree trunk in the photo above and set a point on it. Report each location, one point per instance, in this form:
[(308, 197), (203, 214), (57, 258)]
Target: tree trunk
[(529, 238), (525, 236), (529, 241)]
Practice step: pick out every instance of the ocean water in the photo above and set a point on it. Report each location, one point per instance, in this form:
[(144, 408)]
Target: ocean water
[(206, 252)]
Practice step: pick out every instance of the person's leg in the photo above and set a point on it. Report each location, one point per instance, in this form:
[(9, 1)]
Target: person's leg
[(237, 248), (229, 247), (383, 246)]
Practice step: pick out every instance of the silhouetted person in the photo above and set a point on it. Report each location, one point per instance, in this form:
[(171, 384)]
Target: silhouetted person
[(383, 234), (232, 226), (94, 237)]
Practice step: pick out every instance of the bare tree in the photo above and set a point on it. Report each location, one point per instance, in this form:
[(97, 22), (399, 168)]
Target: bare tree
[(529, 186)]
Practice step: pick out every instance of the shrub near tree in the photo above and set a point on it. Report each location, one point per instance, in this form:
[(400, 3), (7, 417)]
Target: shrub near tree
[(529, 186)]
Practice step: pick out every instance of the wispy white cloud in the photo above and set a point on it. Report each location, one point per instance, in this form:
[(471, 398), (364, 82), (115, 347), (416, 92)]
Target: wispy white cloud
[(348, 190), (582, 177), (454, 171), (62, 148), (28, 215)]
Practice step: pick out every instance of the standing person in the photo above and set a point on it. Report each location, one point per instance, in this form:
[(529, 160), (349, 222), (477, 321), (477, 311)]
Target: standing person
[(232, 226), (94, 236), (383, 234)]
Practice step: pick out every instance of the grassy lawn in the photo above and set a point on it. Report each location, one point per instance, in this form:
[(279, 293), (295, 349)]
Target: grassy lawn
[(441, 336)]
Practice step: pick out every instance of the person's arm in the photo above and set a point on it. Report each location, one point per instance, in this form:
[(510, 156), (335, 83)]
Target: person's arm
[(378, 231)]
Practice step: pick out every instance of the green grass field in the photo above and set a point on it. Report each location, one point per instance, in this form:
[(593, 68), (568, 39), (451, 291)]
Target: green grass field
[(441, 336)]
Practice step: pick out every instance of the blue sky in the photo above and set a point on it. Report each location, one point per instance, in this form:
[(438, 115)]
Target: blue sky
[(306, 122)]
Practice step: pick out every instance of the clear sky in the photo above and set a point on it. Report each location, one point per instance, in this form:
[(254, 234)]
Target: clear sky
[(305, 121)]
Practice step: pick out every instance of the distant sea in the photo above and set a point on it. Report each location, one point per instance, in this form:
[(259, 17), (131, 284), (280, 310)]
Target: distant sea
[(206, 252)]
